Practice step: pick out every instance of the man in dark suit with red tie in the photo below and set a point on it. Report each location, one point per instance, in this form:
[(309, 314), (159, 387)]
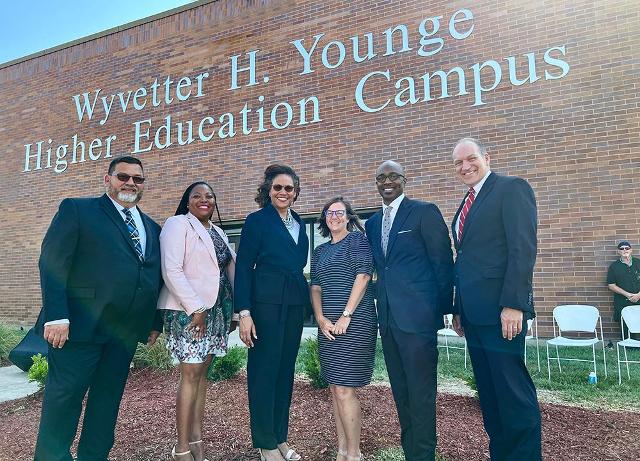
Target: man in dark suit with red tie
[(494, 234), (414, 264), (100, 279)]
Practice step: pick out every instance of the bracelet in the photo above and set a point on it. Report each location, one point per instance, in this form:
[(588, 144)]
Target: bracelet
[(244, 313), (200, 311)]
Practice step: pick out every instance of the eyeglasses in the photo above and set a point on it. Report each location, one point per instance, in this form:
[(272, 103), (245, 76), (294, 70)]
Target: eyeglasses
[(124, 177), (279, 187), (393, 177), (624, 248), (335, 213)]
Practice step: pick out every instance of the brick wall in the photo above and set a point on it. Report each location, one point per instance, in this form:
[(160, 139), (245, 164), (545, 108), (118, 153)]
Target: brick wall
[(574, 138)]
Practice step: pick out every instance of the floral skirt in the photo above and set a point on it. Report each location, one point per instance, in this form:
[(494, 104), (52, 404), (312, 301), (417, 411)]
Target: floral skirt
[(184, 347)]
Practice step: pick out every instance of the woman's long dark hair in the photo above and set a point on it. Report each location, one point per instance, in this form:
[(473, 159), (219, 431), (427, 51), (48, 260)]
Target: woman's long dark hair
[(183, 206), (354, 221), (262, 197)]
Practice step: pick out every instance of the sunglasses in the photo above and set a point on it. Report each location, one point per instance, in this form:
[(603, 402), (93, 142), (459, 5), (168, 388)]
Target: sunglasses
[(624, 248), (335, 213), (279, 187), (393, 177), (124, 177)]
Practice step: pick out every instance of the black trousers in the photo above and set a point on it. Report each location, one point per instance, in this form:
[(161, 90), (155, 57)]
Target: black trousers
[(102, 370), (507, 395), (412, 364), (270, 371)]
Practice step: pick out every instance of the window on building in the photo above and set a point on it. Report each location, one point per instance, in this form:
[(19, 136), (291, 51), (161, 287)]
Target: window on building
[(233, 230)]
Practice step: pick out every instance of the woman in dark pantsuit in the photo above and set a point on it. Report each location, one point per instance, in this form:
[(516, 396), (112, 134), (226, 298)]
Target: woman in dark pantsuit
[(270, 294)]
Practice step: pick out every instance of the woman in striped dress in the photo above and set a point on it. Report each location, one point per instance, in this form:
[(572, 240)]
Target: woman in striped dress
[(344, 309)]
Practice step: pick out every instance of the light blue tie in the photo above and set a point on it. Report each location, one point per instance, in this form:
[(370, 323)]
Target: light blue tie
[(386, 229)]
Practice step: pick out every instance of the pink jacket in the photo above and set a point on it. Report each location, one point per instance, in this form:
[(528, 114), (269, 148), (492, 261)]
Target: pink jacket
[(189, 265)]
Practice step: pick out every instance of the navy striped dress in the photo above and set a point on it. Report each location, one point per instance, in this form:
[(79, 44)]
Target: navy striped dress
[(347, 360)]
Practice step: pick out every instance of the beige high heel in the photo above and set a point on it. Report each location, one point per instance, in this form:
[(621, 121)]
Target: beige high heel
[(185, 453), (196, 443)]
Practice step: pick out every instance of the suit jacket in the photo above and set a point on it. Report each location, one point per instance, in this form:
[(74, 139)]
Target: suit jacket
[(189, 265), (415, 279), (90, 273), (270, 265), (495, 259)]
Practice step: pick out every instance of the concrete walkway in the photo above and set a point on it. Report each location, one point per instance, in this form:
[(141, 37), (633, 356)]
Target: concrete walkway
[(14, 384)]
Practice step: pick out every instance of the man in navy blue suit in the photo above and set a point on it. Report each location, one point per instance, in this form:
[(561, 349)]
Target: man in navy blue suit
[(494, 233), (414, 263), (100, 278)]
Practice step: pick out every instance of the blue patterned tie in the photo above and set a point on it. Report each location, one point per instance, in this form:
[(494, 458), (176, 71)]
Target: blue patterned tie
[(133, 232)]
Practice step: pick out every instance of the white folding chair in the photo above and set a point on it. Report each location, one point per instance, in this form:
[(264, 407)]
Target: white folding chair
[(581, 319), (532, 333), (631, 316), (448, 332)]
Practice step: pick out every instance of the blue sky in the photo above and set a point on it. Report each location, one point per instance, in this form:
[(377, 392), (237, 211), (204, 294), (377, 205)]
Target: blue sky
[(28, 26)]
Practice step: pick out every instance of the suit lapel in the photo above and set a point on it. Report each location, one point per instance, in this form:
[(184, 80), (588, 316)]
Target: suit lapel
[(477, 204), (203, 234), (110, 210), (375, 233), (455, 219), (149, 246), (279, 224), (401, 216)]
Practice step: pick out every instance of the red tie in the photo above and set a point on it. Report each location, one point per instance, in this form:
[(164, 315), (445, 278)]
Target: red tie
[(471, 196)]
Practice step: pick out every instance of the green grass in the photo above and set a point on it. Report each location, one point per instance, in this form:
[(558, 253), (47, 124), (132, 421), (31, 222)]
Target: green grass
[(9, 338), (569, 387)]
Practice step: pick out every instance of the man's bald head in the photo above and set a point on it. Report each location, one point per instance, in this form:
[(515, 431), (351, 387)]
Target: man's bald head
[(390, 180), (391, 166)]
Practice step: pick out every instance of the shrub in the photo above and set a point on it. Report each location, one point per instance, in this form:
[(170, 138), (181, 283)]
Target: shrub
[(9, 338), (311, 363), (227, 367), (38, 371), (156, 356)]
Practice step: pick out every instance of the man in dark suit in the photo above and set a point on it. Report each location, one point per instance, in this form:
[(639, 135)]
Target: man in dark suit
[(100, 278), (412, 252), (494, 233)]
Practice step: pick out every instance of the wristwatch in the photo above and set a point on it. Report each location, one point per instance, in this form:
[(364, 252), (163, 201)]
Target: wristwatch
[(346, 313)]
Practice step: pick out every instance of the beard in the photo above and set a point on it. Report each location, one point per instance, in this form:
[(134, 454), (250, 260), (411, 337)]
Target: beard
[(129, 196), (125, 196)]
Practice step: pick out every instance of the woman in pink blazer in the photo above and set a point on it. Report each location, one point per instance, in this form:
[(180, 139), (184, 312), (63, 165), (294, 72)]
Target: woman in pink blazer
[(198, 268)]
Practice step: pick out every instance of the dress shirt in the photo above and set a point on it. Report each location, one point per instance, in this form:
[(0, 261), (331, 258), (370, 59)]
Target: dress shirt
[(135, 214), (476, 189), (395, 204)]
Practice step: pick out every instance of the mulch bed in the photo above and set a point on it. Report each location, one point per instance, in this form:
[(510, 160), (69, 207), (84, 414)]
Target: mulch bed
[(146, 428)]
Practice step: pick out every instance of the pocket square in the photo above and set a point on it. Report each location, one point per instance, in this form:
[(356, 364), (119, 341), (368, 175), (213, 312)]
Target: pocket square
[(404, 231)]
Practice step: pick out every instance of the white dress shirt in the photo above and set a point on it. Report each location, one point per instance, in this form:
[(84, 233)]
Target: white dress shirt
[(476, 189), (395, 204), (135, 214)]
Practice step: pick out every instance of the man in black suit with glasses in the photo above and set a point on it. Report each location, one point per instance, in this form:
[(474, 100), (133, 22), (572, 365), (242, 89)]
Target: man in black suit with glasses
[(100, 279), (414, 264)]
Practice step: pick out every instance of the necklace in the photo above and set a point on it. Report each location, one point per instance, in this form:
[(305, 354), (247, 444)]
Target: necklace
[(288, 220)]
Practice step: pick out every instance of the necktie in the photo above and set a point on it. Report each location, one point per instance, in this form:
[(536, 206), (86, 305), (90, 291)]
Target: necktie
[(133, 232), (471, 196), (386, 228)]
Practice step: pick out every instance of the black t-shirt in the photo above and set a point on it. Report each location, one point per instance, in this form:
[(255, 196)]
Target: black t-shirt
[(627, 278)]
